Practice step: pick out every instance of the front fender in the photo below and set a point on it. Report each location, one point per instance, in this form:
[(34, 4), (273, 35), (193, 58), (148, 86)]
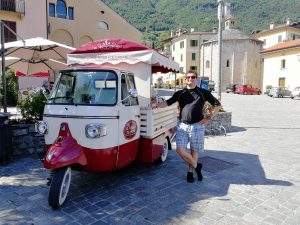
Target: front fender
[(64, 152)]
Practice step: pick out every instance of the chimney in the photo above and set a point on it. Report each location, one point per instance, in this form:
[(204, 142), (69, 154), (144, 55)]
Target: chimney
[(289, 21), (272, 25)]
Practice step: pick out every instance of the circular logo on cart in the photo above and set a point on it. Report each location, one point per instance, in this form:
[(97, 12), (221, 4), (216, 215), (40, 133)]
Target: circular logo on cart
[(130, 129)]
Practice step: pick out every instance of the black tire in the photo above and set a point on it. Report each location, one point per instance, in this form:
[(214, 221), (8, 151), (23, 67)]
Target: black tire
[(259, 93), (59, 187), (164, 155)]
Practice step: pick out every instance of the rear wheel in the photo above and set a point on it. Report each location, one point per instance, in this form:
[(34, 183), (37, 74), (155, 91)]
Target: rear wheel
[(59, 188), (164, 154), (259, 93)]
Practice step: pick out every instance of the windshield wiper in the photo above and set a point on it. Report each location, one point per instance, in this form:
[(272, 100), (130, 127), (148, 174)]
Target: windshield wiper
[(68, 98)]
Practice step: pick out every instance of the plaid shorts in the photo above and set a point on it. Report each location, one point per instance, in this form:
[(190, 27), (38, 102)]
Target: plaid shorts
[(190, 133)]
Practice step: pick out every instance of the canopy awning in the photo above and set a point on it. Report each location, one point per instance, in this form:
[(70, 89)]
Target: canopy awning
[(115, 51)]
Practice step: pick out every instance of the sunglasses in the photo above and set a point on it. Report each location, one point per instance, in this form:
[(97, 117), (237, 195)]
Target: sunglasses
[(190, 77)]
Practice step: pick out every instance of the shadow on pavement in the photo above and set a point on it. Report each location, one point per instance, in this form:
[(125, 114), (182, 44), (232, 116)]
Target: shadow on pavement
[(137, 194)]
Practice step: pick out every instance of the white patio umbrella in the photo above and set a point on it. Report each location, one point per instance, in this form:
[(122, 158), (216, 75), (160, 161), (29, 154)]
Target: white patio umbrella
[(34, 66), (37, 48)]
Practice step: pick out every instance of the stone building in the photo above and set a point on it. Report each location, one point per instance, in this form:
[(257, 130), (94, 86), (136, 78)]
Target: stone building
[(241, 59)]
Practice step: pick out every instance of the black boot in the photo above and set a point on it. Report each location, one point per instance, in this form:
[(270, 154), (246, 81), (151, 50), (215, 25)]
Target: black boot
[(198, 171), (190, 177)]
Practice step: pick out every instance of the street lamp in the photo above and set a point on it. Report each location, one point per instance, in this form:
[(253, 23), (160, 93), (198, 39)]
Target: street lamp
[(220, 17), (2, 51)]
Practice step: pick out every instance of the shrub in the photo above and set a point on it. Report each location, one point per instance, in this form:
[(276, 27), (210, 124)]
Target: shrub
[(32, 107), (12, 87)]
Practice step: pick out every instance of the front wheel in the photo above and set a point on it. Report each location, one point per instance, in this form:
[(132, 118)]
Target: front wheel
[(59, 188)]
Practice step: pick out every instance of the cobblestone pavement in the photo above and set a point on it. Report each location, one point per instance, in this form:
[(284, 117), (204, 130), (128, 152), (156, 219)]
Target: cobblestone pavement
[(251, 176)]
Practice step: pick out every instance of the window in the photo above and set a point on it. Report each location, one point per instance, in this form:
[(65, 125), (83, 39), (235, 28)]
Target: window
[(265, 42), (181, 69), (71, 13), (8, 35), (127, 83), (227, 63), (86, 88), (8, 5), (51, 9), (181, 58), (193, 68), (283, 64), (279, 38), (194, 43), (61, 9), (182, 44), (174, 47), (102, 26), (193, 56), (207, 64)]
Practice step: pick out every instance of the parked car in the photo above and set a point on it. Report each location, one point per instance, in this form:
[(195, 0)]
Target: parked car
[(247, 89), (279, 92), (295, 93), (231, 88)]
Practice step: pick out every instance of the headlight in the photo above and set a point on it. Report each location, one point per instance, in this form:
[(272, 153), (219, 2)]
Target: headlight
[(50, 155), (41, 127), (95, 130)]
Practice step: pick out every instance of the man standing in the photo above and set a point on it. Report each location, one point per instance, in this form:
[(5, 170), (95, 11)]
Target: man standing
[(192, 123)]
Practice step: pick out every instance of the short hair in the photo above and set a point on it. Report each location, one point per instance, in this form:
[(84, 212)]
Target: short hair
[(193, 72)]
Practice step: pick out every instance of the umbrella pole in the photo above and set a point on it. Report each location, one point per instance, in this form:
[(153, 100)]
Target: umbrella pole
[(3, 67)]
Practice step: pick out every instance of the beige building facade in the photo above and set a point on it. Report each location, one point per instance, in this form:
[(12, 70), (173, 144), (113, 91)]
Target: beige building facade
[(241, 59), (27, 18), (281, 54), (77, 22), (281, 65), (278, 34), (65, 21), (184, 48)]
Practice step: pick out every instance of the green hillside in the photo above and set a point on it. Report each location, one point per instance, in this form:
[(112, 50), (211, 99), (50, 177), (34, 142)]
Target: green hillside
[(155, 18)]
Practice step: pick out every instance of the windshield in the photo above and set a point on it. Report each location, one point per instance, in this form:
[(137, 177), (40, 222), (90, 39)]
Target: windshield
[(85, 88)]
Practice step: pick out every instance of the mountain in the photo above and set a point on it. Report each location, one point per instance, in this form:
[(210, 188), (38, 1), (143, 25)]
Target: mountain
[(155, 18)]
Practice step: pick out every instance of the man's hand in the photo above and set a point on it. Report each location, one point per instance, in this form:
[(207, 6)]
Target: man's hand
[(154, 105), (205, 120)]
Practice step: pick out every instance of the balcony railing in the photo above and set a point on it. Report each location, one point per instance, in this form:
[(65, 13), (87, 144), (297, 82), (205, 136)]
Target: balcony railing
[(13, 6)]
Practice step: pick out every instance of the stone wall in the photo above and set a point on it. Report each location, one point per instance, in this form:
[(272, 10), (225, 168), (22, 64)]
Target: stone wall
[(222, 118), (25, 140)]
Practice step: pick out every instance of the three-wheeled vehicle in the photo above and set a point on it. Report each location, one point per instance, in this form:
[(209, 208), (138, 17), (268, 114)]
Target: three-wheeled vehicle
[(99, 116)]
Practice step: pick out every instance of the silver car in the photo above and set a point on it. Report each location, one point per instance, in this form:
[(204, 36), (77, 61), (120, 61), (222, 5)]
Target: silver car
[(279, 92), (295, 93)]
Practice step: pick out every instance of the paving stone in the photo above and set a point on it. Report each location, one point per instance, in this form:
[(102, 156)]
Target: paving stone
[(263, 186)]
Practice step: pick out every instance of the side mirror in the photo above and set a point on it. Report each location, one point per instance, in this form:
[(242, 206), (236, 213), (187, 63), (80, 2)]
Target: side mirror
[(133, 92)]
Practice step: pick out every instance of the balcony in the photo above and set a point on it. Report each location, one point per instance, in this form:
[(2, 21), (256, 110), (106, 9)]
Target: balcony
[(17, 6)]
